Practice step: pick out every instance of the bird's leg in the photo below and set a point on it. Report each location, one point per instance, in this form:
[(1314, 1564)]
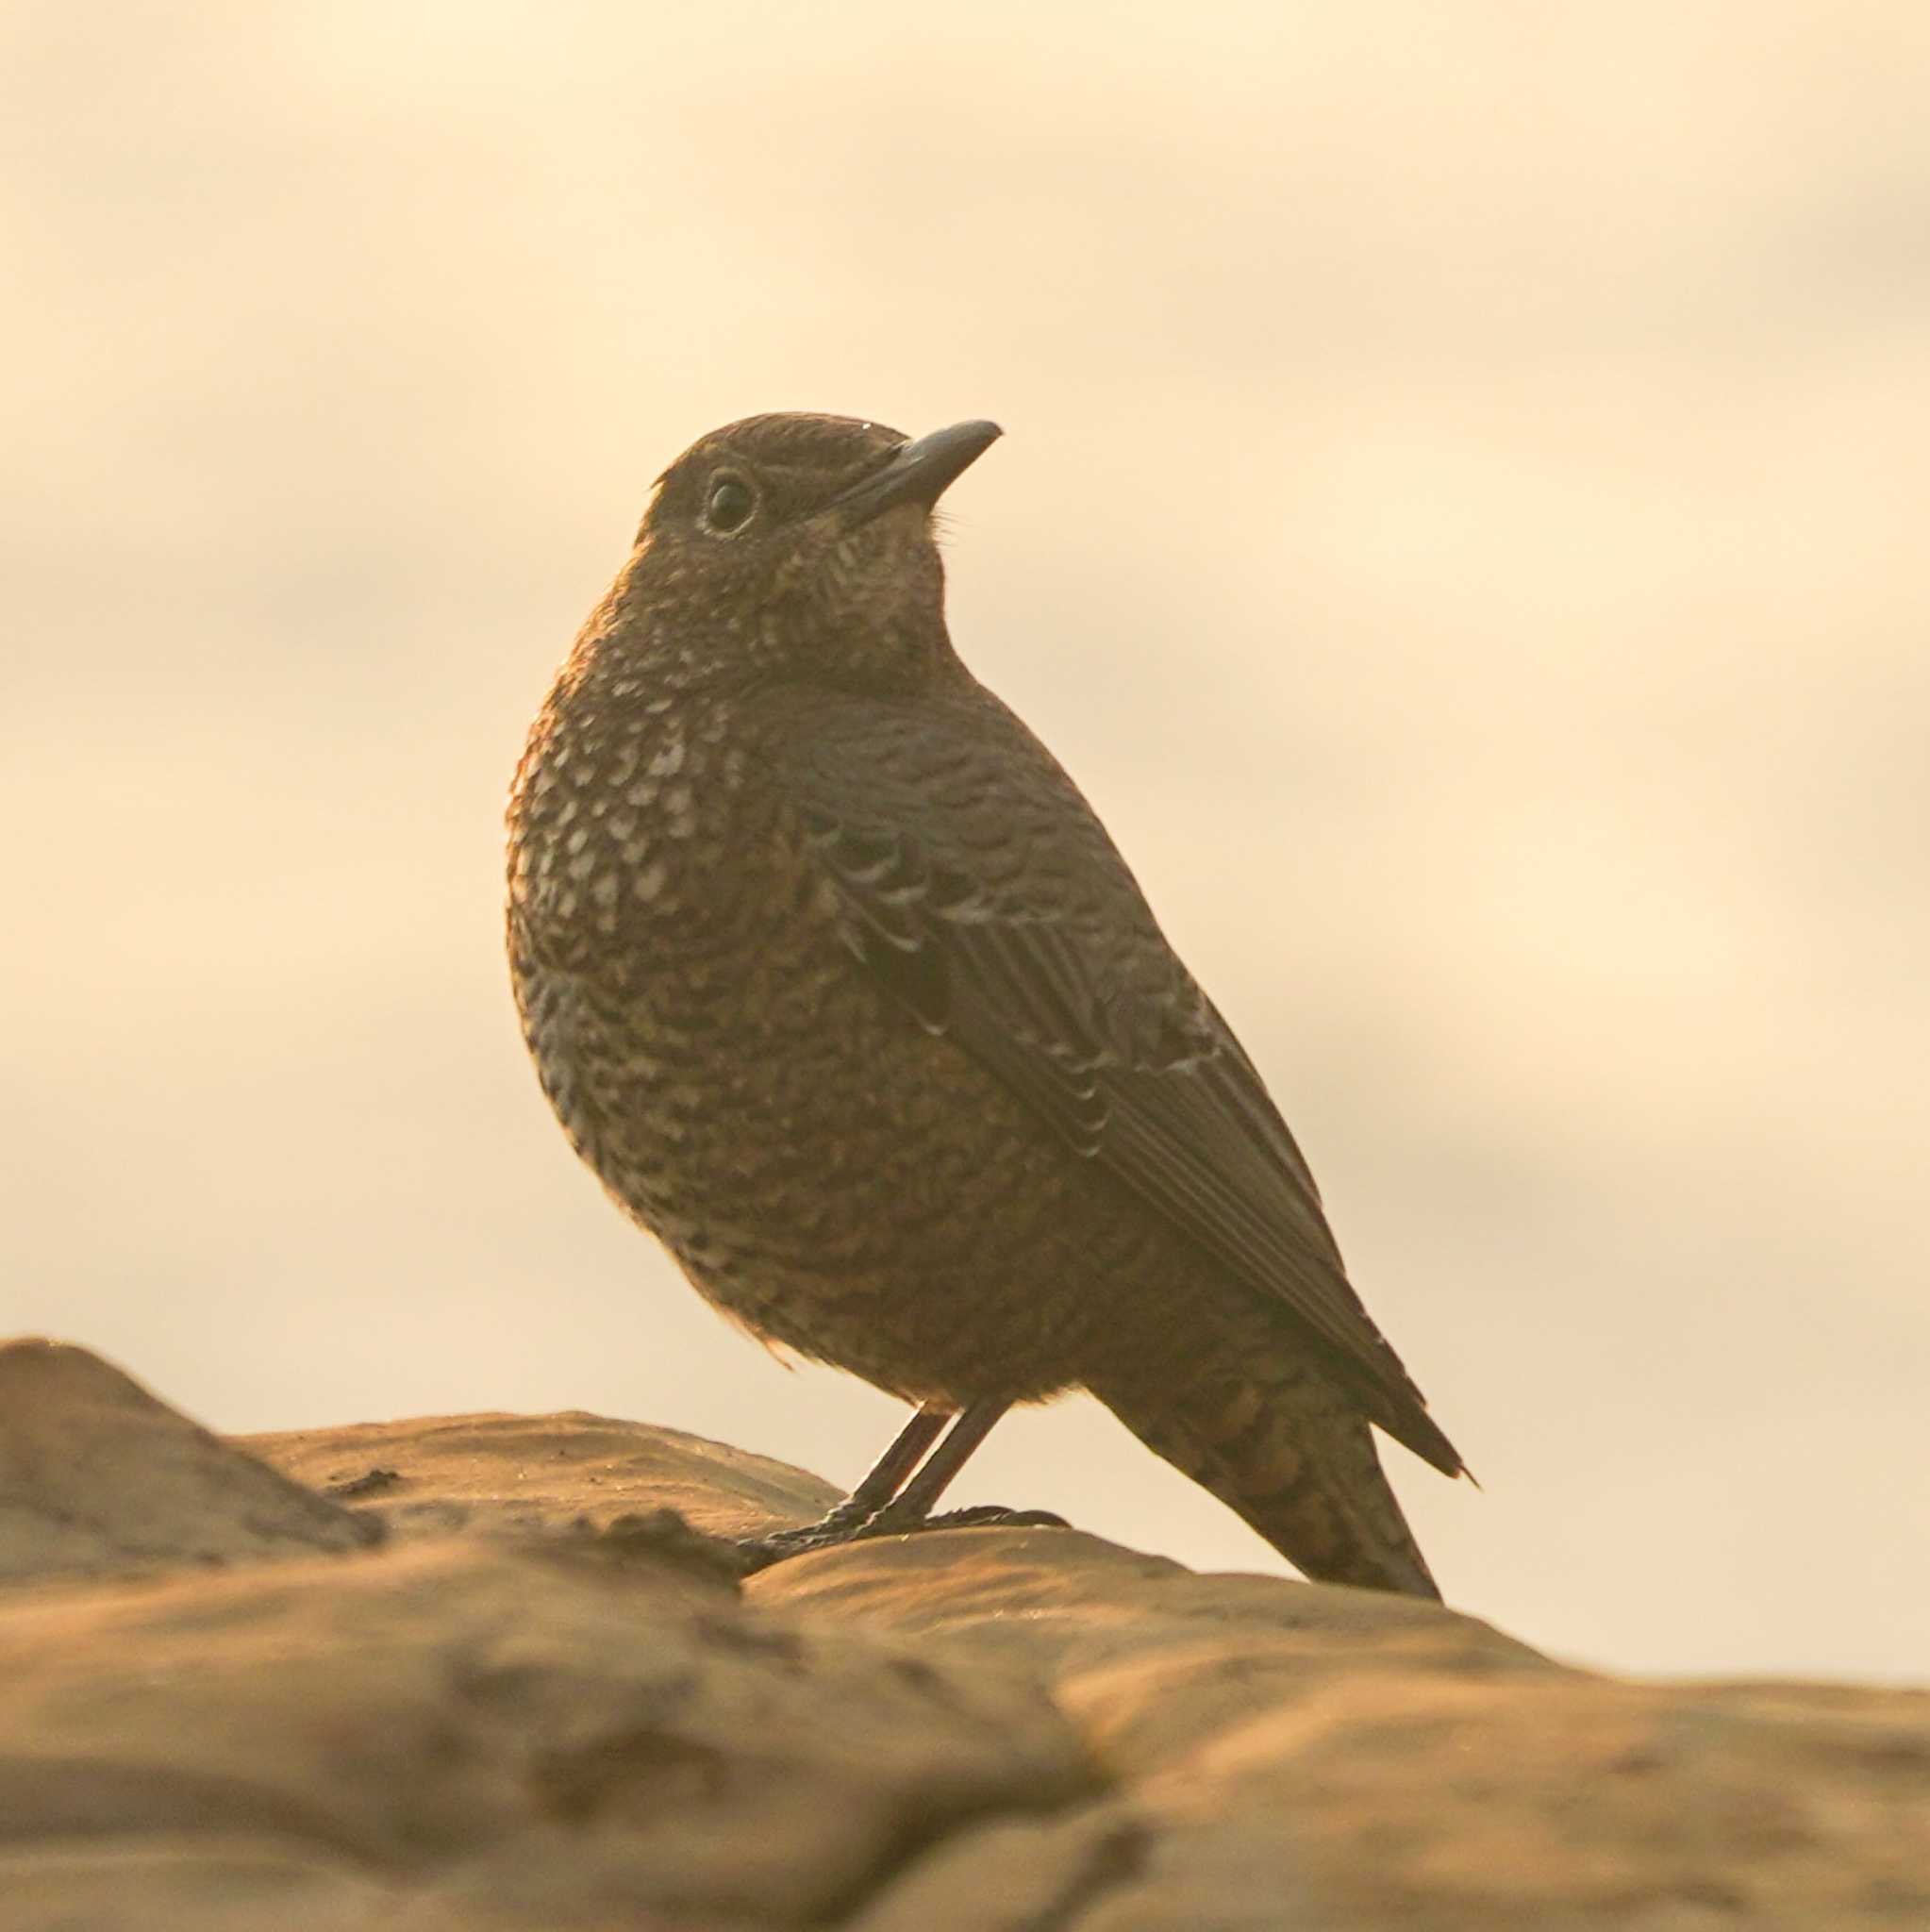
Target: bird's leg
[(911, 1508), (888, 1473), (884, 1503), (911, 1504), (886, 1478)]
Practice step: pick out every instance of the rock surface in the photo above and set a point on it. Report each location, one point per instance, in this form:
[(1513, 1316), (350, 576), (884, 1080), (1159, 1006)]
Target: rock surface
[(464, 1674), (98, 1479)]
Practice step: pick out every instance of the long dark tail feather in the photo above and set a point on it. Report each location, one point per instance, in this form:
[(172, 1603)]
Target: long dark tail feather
[(1287, 1450), (1408, 1421)]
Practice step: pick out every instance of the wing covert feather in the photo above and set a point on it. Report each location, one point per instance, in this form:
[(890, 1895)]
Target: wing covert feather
[(977, 885)]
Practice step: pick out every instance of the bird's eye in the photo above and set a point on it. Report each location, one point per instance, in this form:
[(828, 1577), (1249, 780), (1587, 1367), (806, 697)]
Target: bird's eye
[(730, 506)]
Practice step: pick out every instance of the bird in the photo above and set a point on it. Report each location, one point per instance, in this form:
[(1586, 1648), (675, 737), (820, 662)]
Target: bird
[(840, 986)]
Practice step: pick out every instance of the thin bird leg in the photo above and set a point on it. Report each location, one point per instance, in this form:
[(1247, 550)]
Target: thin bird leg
[(911, 1508), (888, 1473), (847, 1518), (871, 1509), (912, 1504)]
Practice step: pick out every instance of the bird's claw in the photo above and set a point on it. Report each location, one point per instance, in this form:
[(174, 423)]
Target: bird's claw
[(760, 1553), (984, 1516)]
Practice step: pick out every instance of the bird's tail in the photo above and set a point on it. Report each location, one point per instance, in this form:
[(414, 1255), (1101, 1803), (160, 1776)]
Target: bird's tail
[(1282, 1445)]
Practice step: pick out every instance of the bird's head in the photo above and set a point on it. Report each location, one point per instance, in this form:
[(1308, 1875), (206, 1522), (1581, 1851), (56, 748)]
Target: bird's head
[(796, 547)]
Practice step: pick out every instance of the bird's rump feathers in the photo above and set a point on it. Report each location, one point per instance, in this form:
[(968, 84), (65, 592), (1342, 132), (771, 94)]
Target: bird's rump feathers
[(982, 893)]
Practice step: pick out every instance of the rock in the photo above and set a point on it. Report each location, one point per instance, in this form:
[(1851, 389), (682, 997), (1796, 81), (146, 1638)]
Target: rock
[(98, 1478), (529, 1472), (546, 1701), (1402, 1764), (464, 1714)]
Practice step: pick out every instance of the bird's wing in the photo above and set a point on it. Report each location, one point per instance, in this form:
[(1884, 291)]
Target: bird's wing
[(977, 885)]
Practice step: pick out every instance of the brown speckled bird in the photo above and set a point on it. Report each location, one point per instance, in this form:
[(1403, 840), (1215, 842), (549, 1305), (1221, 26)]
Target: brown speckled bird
[(838, 984)]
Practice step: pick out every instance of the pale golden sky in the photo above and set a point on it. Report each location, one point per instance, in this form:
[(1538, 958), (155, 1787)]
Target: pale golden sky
[(1461, 518)]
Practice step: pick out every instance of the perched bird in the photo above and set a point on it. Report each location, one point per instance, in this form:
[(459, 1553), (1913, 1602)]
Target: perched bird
[(840, 986)]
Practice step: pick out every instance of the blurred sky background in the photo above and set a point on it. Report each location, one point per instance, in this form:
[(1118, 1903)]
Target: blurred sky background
[(1462, 519)]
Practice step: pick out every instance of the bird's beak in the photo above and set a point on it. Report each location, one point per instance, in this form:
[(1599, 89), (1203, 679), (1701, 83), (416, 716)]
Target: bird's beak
[(918, 472)]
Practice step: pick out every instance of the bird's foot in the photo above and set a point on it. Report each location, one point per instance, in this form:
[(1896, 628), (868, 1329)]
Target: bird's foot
[(985, 1516), (845, 1524)]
